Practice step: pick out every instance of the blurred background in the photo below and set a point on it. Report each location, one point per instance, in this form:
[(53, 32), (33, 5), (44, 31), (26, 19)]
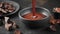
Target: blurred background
[(44, 3)]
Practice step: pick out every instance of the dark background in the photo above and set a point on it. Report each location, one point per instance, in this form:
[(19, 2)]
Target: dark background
[(49, 4)]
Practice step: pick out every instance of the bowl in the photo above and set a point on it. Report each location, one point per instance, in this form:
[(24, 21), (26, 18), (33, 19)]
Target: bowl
[(15, 4), (43, 23)]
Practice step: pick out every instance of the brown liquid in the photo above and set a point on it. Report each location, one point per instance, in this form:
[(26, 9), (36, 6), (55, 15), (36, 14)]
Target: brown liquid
[(33, 7), (34, 15), (30, 16)]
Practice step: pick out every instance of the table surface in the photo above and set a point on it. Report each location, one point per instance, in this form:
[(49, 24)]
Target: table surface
[(50, 4)]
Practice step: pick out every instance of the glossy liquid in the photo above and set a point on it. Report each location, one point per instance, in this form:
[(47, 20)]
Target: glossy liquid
[(34, 15), (29, 16), (34, 8)]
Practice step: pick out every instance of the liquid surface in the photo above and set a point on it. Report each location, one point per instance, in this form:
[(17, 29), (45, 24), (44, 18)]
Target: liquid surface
[(30, 16)]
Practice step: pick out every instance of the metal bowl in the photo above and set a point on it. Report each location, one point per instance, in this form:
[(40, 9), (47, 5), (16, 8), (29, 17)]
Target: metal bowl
[(15, 4), (36, 23)]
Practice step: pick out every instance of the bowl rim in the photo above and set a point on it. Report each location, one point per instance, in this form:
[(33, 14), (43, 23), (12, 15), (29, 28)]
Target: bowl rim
[(31, 7)]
